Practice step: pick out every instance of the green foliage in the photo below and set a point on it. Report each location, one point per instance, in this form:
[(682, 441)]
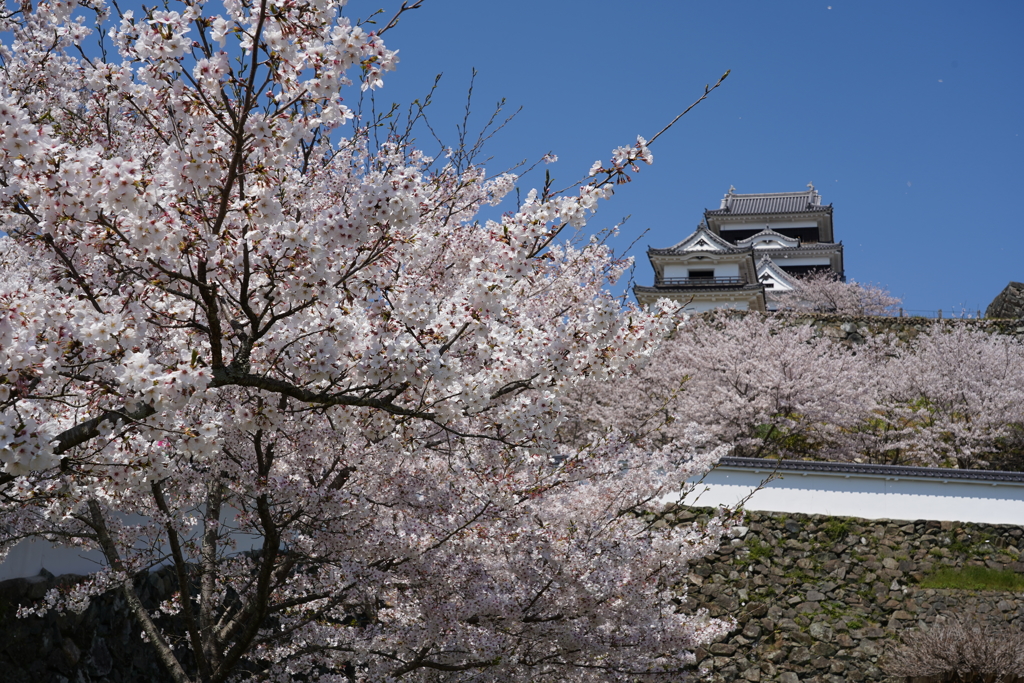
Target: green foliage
[(1009, 450), (855, 623), (758, 550), (959, 547), (833, 609), (974, 578), (782, 442), (836, 528), (798, 575), (971, 545)]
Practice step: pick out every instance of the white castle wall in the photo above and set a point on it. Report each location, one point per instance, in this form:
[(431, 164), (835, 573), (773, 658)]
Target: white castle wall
[(871, 496), (31, 556)]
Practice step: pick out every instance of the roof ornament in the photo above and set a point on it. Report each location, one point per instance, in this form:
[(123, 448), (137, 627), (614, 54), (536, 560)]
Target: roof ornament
[(814, 198), (727, 198)]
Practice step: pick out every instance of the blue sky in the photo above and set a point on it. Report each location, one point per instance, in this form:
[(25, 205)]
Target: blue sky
[(907, 116)]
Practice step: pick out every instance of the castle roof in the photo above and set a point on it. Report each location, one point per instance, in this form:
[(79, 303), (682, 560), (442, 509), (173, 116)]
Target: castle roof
[(769, 235), (768, 268), (701, 240), (768, 203)]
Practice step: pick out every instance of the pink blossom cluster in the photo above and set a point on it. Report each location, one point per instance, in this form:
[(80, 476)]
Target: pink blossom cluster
[(763, 386), (295, 366), (824, 292)]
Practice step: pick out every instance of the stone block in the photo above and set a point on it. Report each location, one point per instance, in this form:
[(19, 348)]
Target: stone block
[(725, 649), (1009, 303), (821, 631), (800, 655)]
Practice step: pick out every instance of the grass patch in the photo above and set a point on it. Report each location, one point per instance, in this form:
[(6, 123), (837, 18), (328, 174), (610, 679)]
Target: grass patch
[(833, 610), (759, 550), (837, 529), (974, 579), (959, 547)]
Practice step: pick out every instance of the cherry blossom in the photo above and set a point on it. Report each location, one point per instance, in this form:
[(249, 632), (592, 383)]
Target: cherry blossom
[(292, 363), (966, 390), (757, 385), (824, 292), (774, 386)]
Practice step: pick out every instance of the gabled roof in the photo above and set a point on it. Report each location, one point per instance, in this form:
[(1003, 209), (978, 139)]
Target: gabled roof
[(769, 235), (767, 267), (701, 240), (767, 203)]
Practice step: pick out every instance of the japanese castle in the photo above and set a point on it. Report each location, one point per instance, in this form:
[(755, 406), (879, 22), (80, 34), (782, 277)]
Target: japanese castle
[(746, 250)]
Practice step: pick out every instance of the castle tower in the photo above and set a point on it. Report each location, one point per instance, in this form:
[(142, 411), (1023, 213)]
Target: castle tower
[(752, 246)]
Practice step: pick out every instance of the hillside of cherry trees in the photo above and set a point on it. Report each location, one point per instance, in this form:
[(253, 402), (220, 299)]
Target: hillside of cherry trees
[(773, 385)]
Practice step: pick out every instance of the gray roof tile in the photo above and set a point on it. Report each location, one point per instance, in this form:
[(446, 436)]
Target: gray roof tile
[(750, 204), (864, 468)]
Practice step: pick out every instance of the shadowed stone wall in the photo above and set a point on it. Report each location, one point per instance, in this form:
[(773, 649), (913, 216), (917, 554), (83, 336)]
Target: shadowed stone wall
[(821, 598), (102, 644)]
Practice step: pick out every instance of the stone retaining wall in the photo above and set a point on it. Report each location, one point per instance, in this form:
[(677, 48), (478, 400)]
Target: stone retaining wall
[(815, 599), (821, 598), (906, 329), (857, 328), (100, 645)]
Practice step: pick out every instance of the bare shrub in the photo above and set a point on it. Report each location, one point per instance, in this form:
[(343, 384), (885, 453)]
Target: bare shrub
[(960, 651)]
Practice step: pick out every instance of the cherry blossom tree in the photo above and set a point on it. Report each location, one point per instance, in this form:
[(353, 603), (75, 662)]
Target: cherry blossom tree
[(967, 388), (757, 385), (245, 340), (762, 386), (824, 292), (893, 429), (950, 397)]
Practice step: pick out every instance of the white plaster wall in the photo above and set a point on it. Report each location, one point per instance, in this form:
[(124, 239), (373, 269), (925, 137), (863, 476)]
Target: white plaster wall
[(721, 270), (867, 496), (769, 243), (853, 495), (702, 306), (778, 285), (727, 270), (30, 556)]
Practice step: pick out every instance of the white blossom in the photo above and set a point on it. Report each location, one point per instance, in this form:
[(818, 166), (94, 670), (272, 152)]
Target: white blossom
[(251, 329)]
